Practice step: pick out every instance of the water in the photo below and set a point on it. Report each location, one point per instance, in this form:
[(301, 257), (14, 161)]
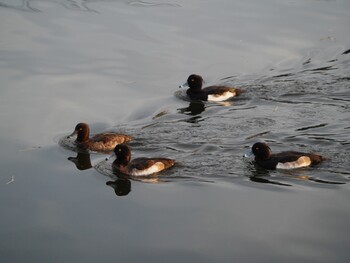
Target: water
[(117, 65)]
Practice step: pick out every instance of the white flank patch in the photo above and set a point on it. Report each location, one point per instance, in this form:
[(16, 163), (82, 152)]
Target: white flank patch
[(303, 161), (151, 170), (221, 97)]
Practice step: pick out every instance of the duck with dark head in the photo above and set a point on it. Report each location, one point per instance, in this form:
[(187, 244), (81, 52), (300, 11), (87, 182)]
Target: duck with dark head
[(139, 166), (211, 93), (283, 160)]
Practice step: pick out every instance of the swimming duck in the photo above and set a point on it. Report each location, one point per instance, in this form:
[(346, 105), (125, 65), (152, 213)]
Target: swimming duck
[(103, 142), (139, 166), (283, 160), (211, 93)]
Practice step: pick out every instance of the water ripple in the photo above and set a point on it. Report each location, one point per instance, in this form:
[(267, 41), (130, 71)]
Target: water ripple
[(152, 4)]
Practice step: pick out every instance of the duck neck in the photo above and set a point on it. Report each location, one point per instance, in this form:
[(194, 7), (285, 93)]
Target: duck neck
[(265, 156), (83, 135), (196, 88), (121, 161)]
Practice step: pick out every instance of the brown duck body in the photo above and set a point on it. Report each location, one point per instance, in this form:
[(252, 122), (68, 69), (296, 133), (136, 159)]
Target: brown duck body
[(103, 142)]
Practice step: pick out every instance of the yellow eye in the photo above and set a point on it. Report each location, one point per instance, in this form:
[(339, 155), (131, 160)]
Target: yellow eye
[(119, 150)]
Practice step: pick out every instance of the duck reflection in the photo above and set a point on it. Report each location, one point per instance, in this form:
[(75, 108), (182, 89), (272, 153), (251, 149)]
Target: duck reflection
[(258, 179), (82, 161), (258, 174), (261, 175), (317, 180), (195, 108), (121, 186)]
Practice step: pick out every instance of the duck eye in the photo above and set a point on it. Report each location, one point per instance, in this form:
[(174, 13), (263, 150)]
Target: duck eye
[(119, 150)]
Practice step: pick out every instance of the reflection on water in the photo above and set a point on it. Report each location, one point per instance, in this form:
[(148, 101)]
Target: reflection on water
[(263, 180), (121, 187), (195, 108), (307, 178), (82, 161), (288, 177)]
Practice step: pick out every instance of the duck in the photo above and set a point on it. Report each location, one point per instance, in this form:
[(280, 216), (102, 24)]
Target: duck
[(211, 93), (139, 166), (102, 142), (283, 160)]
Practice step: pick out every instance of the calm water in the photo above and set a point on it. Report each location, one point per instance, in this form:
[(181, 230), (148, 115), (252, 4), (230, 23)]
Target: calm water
[(117, 65)]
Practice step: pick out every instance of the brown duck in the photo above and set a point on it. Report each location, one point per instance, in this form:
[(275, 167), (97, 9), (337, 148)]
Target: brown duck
[(102, 142)]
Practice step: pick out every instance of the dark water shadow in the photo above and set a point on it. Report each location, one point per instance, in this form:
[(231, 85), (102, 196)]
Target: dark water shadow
[(193, 109), (260, 175), (262, 180), (82, 161), (257, 174), (121, 186)]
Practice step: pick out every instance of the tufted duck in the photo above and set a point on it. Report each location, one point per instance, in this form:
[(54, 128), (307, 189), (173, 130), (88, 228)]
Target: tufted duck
[(282, 160), (211, 93), (139, 166)]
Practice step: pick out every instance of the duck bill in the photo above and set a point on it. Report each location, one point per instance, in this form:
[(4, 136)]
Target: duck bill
[(73, 134), (184, 85), (248, 154), (111, 156)]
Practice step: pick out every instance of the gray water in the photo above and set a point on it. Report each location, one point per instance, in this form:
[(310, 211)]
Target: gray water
[(117, 65)]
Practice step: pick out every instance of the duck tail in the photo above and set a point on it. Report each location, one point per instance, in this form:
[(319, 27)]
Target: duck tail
[(317, 158), (239, 91), (325, 158), (168, 163)]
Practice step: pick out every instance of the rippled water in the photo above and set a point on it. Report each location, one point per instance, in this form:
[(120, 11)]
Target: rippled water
[(117, 65)]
